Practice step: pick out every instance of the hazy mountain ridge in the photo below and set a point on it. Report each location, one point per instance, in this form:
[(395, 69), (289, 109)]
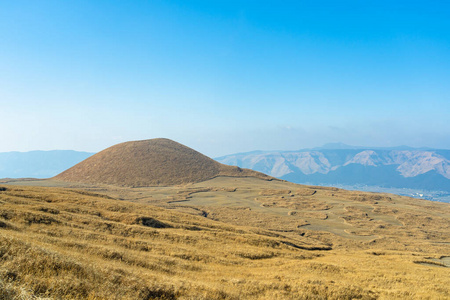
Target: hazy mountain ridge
[(427, 169), (402, 167), (38, 164)]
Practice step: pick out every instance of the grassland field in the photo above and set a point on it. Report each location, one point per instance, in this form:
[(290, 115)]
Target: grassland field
[(225, 238)]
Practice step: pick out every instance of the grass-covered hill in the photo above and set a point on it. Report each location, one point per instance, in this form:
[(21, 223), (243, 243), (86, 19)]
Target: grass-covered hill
[(148, 163)]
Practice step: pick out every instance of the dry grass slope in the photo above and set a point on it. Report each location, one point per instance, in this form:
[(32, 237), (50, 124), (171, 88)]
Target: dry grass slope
[(61, 243), (156, 162)]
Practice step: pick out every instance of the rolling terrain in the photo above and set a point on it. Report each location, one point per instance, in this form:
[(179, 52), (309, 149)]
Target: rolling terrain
[(220, 236)]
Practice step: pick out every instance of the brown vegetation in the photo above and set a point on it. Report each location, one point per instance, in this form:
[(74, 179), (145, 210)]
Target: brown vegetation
[(77, 244)]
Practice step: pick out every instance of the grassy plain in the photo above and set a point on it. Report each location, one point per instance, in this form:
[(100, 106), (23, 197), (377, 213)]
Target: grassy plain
[(225, 238)]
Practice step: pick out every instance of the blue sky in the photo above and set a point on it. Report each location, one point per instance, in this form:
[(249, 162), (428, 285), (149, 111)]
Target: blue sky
[(224, 76)]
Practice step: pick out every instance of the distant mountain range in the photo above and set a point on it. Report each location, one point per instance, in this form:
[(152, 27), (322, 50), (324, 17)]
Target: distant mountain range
[(333, 164), (38, 164)]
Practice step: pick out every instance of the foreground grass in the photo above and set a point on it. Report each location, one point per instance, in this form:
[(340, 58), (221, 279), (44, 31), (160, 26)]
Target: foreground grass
[(59, 243)]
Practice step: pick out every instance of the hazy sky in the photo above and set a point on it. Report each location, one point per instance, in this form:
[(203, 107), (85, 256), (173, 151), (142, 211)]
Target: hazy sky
[(224, 76)]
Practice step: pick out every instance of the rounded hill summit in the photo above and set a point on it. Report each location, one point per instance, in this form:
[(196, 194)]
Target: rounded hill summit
[(155, 162)]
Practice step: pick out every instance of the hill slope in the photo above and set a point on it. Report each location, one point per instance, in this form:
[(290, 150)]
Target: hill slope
[(155, 162), (249, 239)]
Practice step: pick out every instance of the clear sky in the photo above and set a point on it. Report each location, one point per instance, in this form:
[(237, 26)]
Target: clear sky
[(224, 76)]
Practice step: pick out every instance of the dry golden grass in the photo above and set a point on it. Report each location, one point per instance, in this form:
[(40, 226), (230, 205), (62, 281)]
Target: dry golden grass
[(66, 243)]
